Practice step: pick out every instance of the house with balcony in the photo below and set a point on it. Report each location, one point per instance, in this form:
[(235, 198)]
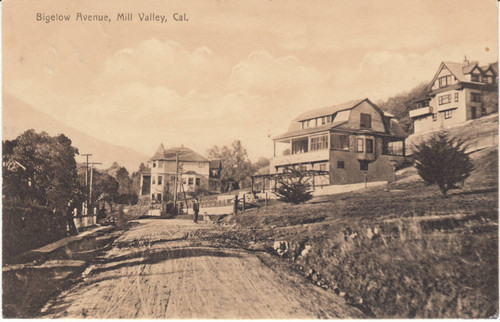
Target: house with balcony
[(353, 141), (158, 181), (457, 93)]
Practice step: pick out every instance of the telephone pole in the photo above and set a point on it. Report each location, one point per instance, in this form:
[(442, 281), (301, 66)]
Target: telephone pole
[(91, 180), (175, 180), (87, 167)]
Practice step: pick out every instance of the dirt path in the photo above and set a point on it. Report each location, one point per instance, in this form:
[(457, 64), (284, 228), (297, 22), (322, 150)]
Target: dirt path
[(153, 272)]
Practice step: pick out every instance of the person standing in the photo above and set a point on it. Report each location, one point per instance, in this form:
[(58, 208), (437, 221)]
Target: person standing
[(196, 210), (70, 218)]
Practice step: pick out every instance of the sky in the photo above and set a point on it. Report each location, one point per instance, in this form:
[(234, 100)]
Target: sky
[(235, 70)]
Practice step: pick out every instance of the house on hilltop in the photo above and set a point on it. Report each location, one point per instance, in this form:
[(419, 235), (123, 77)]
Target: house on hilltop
[(457, 93), (193, 171), (350, 141)]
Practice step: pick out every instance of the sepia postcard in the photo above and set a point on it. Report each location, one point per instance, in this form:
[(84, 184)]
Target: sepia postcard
[(250, 159)]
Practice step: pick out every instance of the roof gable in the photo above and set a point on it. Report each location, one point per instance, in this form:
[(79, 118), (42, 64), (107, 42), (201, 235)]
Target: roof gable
[(185, 154)]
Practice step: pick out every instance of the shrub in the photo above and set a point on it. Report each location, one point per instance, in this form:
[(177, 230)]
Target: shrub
[(442, 160), (293, 187)]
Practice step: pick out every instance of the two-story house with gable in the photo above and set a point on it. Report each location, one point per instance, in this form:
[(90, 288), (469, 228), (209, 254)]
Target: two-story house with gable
[(193, 170), (354, 141), (457, 93)]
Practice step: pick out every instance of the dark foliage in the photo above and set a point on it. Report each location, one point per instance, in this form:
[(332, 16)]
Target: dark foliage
[(399, 105), (25, 228), (294, 188), (442, 160), (39, 168)]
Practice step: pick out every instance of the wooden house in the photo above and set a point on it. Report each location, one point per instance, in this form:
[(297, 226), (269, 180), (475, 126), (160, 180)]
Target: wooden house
[(353, 141), (457, 93)]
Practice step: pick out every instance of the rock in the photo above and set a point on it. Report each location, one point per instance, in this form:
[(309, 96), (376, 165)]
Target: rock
[(305, 251), (369, 233), (342, 294), (359, 300), (324, 286), (376, 231)]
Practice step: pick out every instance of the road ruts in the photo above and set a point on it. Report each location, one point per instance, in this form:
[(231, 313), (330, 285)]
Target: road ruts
[(153, 272)]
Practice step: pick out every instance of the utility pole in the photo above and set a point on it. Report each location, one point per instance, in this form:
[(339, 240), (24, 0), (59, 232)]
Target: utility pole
[(87, 167), (175, 180), (91, 181)]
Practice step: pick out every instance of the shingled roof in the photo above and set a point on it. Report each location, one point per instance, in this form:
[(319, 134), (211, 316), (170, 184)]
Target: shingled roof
[(185, 154), (328, 110), (459, 70), (295, 127)]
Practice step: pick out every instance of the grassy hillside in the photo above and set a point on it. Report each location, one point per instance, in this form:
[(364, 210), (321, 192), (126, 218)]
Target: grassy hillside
[(399, 251)]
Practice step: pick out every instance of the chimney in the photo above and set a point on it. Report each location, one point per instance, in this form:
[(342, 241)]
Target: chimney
[(466, 62)]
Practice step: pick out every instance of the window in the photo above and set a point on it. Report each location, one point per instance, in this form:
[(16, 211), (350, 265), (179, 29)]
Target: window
[(154, 164), (393, 147), (160, 178), (158, 197), (183, 181), (190, 181), (444, 99), (448, 114), (153, 196), (363, 165), (172, 178), (365, 121), (322, 166), (444, 81), (475, 97), (360, 145), (369, 146), (489, 79), (153, 181), (319, 142), (340, 142), (323, 120), (483, 110), (340, 164), (299, 146), (302, 124), (434, 117), (475, 78), (456, 97), (197, 181)]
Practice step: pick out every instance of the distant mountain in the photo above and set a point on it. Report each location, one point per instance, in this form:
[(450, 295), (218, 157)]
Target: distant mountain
[(18, 117)]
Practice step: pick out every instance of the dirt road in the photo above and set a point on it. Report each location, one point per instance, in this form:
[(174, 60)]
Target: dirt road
[(153, 271)]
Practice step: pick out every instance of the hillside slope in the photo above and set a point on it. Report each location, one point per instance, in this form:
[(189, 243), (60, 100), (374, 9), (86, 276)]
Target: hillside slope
[(480, 133), (19, 117)]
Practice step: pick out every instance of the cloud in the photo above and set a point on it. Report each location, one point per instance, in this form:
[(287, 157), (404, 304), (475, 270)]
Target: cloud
[(168, 64)]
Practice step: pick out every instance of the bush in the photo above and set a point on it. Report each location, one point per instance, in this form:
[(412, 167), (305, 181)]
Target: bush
[(25, 228), (127, 198), (293, 187), (442, 160)]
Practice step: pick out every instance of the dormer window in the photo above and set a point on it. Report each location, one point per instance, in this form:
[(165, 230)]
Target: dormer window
[(475, 78), (154, 164)]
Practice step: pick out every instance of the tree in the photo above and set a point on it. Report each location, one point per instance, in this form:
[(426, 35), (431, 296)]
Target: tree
[(442, 160), (46, 172), (235, 164), (293, 186), (136, 178)]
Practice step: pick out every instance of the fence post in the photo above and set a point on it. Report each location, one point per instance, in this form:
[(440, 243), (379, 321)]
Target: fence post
[(266, 199), (244, 202)]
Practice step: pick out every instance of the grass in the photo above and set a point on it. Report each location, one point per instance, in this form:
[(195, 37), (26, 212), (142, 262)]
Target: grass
[(399, 251)]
